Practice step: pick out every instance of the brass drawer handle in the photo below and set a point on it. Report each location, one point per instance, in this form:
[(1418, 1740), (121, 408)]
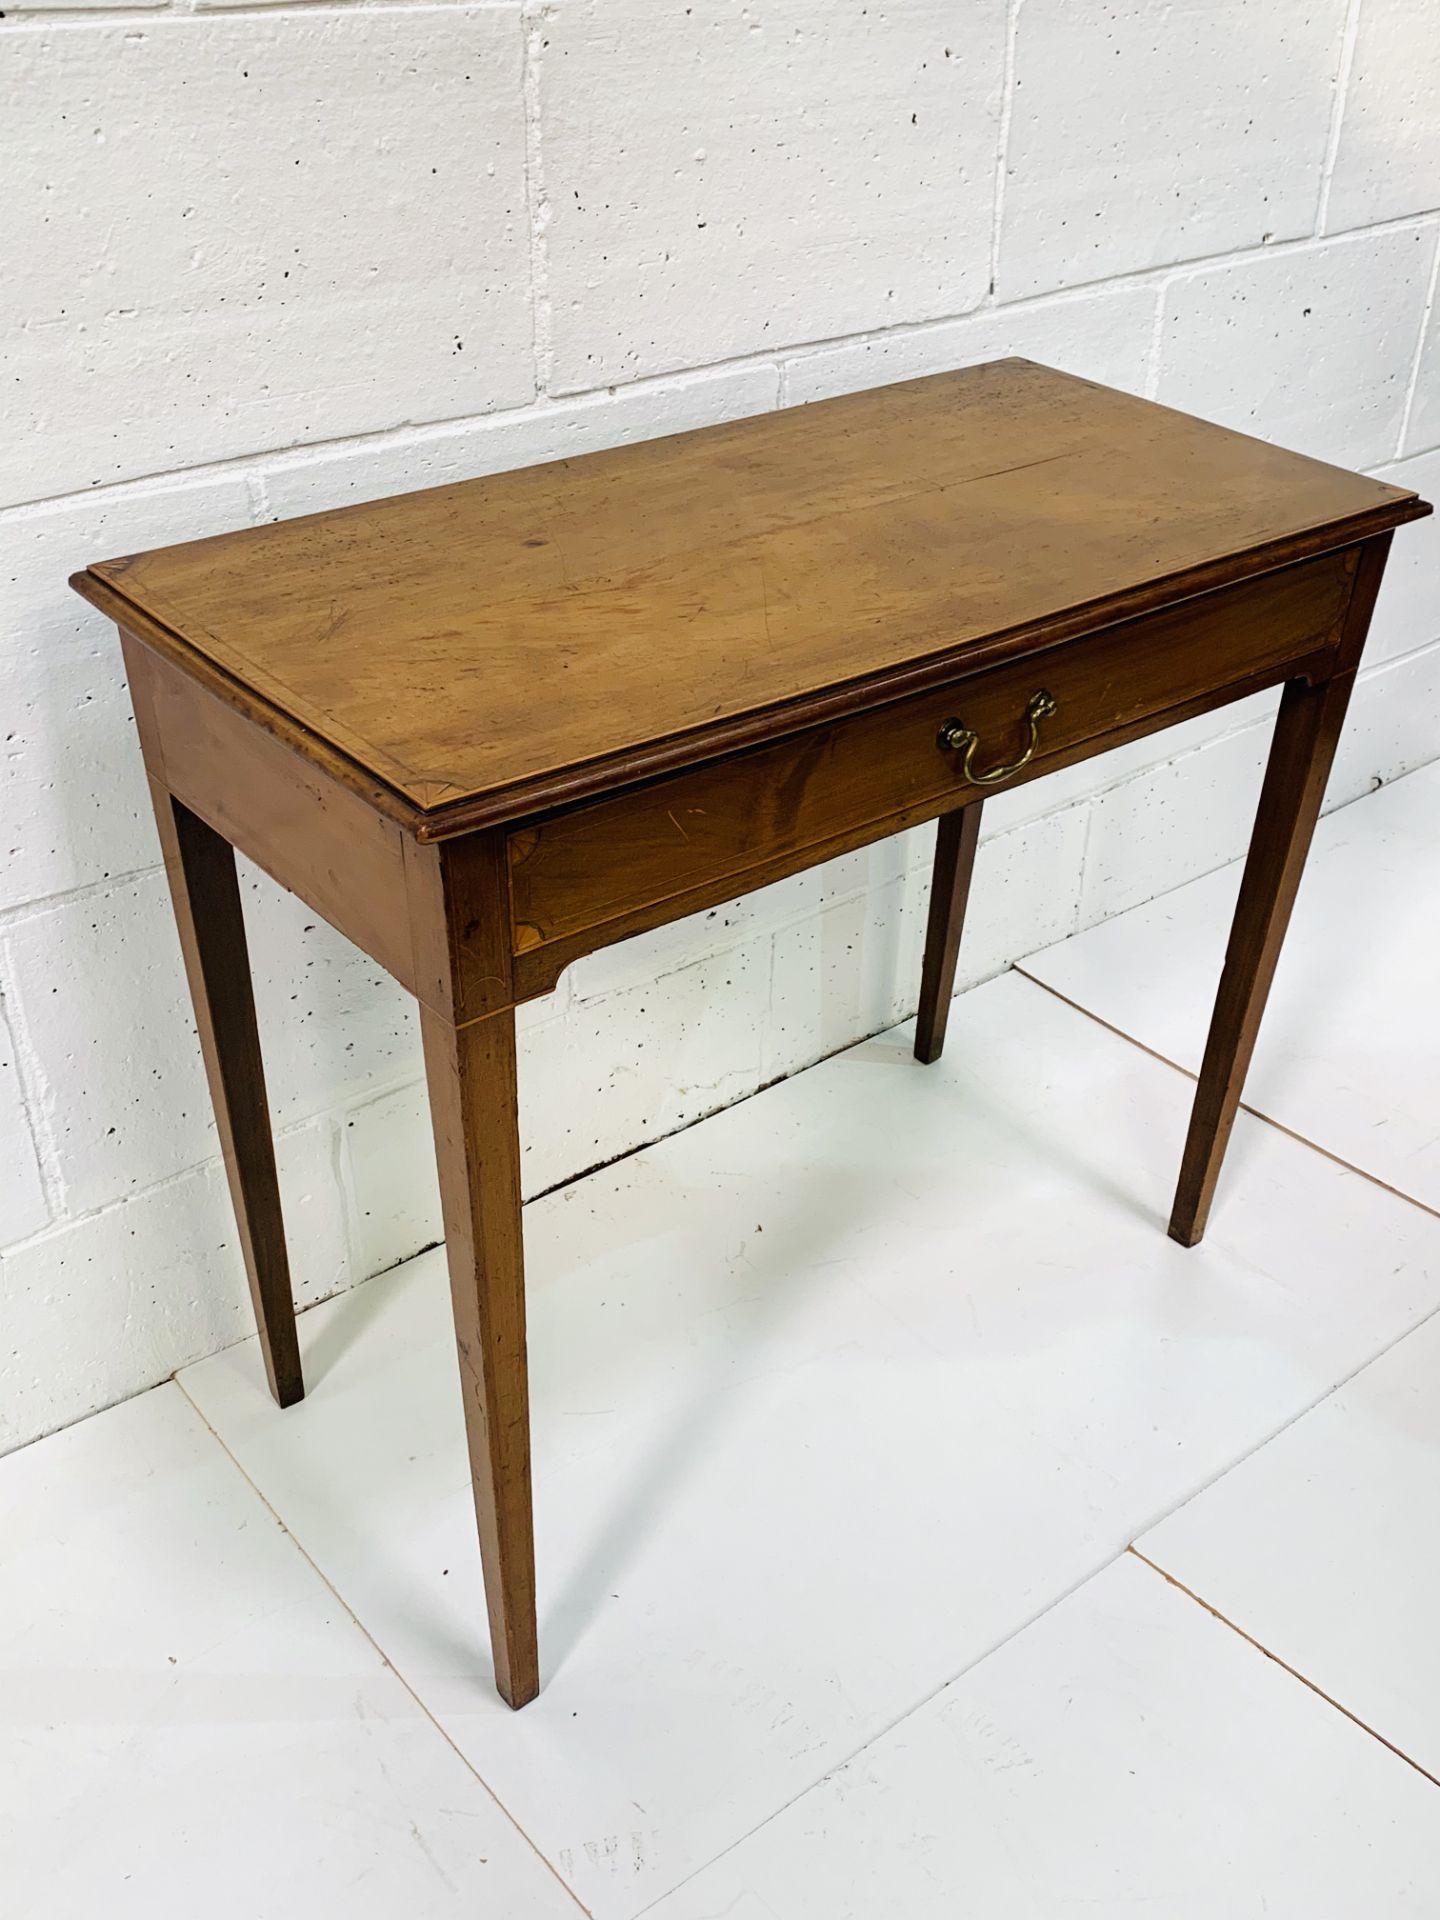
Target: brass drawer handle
[(956, 737)]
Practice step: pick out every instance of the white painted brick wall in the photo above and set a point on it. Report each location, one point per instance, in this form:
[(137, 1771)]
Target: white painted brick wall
[(1312, 345), (731, 178), (1387, 160), (1141, 135), (247, 230), (261, 261)]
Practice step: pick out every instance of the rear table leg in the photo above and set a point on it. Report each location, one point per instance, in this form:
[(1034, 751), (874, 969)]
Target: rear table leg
[(956, 838), (205, 892)]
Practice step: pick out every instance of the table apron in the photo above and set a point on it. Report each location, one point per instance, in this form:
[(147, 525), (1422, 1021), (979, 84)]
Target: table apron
[(317, 838), (543, 893), (585, 878)]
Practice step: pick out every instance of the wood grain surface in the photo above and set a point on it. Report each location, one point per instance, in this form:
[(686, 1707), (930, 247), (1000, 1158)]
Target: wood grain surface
[(489, 648), (595, 863)]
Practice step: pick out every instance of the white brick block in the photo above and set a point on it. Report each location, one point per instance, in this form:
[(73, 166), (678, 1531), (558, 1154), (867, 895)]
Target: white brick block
[(312, 1199), (1105, 335), (1173, 823), (1024, 895), (255, 230), (1392, 727), (1423, 432), (23, 1207), (1011, 806), (391, 1184), (435, 456), (1407, 614), (855, 968), (1388, 160), (851, 970), (388, 1160), (643, 1051), (1142, 135), (665, 950), (1311, 348), (72, 788), (726, 179), (103, 1307), (333, 1024), (312, 1203), (101, 1001), (1177, 822), (636, 1065), (633, 962), (14, 8)]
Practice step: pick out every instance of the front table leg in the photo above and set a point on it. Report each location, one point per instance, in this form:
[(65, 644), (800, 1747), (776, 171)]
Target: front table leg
[(1306, 733), (205, 893), (471, 1075)]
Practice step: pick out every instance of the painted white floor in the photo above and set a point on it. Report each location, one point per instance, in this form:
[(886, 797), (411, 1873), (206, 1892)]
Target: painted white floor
[(848, 1404), (191, 1723)]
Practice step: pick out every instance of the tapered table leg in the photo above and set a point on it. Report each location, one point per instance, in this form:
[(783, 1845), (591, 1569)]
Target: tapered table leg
[(956, 838), (1301, 754), (206, 896), (471, 1074)]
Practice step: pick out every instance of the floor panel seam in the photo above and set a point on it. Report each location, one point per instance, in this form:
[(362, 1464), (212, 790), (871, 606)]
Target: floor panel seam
[(1255, 1113), (898, 1720), (384, 1657), (1284, 1665)]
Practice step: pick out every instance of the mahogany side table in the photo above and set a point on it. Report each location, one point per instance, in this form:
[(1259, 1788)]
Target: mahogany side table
[(488, 728)]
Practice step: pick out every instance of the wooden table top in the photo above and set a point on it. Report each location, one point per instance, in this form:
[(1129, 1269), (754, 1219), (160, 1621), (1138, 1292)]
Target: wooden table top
[(484, 649)]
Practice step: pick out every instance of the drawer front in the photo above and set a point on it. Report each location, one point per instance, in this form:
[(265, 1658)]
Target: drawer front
[(744, 821)]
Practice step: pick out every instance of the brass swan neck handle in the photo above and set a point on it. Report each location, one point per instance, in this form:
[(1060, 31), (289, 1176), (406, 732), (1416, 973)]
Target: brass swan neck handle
[(956, 737)]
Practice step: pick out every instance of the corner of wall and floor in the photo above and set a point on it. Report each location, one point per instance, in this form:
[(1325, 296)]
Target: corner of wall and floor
[(268, 259)]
